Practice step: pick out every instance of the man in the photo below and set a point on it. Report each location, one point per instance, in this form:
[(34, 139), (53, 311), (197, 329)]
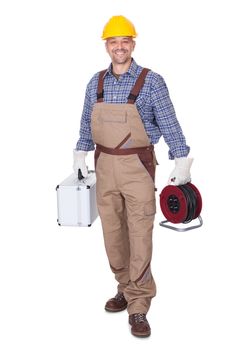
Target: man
[(126, 110)]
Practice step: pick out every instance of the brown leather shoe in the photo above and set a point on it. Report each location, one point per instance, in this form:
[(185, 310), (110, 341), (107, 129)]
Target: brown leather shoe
[(118, 303), (140, 325)]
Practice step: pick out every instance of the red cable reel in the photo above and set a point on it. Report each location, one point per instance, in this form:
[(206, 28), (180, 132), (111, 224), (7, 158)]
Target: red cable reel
[(181, 204)]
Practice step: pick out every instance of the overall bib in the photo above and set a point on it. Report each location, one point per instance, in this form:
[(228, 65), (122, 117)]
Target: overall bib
[(125, 168)]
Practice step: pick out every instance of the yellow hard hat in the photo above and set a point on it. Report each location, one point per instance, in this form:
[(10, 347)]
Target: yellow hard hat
[(118, 26)]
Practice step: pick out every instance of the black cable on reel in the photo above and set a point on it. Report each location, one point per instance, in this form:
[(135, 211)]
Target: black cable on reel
[(191, 198)]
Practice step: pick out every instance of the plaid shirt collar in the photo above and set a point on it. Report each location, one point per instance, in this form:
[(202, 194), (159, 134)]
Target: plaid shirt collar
[(131, 71)]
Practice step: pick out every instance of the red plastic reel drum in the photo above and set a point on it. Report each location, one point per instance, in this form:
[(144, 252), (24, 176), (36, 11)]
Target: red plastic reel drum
[(173, 204)]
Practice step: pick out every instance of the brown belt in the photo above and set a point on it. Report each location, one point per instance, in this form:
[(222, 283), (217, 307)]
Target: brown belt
[(123, 151)]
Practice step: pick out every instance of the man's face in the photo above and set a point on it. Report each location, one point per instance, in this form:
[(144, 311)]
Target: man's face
[(120, 49)]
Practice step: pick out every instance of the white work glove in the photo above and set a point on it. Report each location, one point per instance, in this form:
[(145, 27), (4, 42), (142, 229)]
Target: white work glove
[(79, 162), (181, 173)]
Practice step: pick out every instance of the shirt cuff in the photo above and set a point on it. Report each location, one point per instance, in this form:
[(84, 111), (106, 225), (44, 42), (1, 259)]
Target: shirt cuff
[(85, 146), (179, 152)]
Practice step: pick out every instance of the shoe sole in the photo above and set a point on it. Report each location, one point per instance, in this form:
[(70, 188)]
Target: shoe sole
[(141, 335), (115, 310)]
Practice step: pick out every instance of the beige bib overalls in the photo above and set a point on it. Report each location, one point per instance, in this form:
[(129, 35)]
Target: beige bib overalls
[(125, 169)]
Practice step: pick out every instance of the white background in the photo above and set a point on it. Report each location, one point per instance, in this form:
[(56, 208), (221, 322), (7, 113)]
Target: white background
[(55, 280)]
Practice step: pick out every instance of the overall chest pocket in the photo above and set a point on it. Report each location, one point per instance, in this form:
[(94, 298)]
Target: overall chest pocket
[(114, 127), (114, 117)]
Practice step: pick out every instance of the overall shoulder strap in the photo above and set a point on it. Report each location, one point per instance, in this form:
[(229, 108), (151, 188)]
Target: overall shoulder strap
[(100, 88), (137, 87)]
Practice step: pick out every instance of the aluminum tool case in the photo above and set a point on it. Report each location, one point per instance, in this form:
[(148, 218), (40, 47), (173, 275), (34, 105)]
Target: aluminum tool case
[(76, 201)]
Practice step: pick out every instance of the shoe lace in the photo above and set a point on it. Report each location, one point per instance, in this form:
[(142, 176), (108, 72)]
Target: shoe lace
[(119, 296), (139, 318)]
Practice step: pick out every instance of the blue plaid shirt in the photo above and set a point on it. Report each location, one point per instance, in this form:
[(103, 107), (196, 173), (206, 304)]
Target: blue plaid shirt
[(153, 104)]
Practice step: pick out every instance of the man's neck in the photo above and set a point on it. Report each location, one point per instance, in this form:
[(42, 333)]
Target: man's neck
[(119, 69)]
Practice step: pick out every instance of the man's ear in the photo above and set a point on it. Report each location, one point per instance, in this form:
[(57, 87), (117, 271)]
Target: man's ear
[(134, 44), (106, 47)]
